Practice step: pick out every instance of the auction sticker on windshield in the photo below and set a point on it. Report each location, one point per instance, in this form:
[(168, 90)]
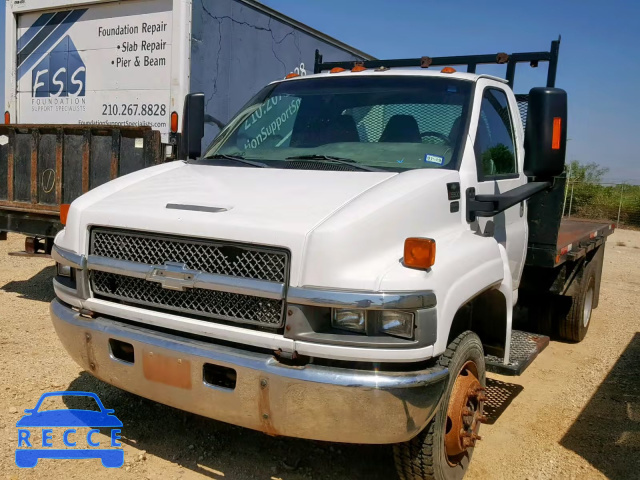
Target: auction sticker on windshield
[(69, 433)]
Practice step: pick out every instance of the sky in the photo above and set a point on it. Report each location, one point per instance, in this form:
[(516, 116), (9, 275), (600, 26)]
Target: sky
[(599, 63)]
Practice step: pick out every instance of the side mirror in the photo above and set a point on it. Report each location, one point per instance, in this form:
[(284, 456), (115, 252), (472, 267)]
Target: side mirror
[(192, 125), (545, 140)]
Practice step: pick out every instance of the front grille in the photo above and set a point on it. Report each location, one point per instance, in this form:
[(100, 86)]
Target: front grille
[(200, 255), (216, 257), (222, 305)]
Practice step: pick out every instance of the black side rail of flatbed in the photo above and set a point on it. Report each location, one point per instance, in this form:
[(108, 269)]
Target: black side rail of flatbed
[(470, 61)]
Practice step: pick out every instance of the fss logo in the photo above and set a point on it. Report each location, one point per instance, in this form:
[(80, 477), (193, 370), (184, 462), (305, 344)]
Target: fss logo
[(61, 73)]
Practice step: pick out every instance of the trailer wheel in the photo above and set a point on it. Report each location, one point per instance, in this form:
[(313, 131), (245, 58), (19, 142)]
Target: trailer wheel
[(575, 312), (443, 450)]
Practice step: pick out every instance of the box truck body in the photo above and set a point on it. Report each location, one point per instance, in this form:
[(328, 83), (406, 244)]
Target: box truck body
[(110, 72)]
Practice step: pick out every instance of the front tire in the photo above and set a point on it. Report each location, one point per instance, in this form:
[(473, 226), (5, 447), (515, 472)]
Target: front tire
[(443, 450)]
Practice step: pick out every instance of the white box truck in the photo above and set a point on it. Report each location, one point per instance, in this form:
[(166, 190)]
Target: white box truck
[(95, 89)]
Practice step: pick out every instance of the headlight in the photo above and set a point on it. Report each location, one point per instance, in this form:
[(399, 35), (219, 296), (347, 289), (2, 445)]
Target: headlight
[(64, 270), (353, 320), (395, 323)]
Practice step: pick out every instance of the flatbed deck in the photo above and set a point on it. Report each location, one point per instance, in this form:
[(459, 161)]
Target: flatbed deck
[(576, 238)]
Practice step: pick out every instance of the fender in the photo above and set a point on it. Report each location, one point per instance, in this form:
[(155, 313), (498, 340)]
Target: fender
[(466, 264)]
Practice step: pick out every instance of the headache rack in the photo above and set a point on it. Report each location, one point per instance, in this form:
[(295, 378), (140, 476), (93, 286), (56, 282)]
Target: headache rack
[(470, 61)]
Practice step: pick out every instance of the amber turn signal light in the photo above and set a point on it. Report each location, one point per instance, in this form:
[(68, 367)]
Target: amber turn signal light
[(419, 252), (64, 212)]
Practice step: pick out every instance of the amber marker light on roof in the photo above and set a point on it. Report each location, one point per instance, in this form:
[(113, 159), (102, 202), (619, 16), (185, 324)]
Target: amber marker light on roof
[(448, 70)]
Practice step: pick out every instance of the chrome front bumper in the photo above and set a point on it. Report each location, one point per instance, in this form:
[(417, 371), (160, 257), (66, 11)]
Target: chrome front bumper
[(313, 402)]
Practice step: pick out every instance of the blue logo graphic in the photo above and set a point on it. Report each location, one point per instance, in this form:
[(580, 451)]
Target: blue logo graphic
[(61, 73), (41, 423)]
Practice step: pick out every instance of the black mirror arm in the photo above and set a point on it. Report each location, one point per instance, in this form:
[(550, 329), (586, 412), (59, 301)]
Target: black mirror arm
[(490, 205)]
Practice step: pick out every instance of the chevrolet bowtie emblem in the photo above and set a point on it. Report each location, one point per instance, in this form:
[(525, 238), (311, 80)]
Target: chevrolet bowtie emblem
[(173, 276)]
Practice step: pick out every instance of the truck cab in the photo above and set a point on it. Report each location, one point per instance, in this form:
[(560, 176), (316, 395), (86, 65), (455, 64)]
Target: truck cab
[(341, 263)]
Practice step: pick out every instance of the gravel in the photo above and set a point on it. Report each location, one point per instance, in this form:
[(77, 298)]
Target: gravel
[(574, 413)]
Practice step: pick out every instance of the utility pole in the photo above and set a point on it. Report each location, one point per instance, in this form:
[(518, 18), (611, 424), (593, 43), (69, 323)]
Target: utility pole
[(620, 205), (566, 190)]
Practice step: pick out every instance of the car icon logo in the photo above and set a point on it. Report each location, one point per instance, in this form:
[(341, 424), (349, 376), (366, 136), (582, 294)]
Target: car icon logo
[(40, 424)]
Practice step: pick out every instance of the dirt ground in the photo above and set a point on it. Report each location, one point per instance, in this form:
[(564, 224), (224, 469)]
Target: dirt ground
[(575, 413)]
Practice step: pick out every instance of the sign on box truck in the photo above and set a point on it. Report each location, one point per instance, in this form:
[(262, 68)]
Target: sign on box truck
[(102, 64), (115, 74)]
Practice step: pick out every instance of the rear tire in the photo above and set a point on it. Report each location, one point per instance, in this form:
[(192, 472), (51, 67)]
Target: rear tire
[(425, 456), (574, 313)]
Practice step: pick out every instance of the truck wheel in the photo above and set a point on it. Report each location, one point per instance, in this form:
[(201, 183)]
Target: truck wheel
[(575, 312), (443, 450)]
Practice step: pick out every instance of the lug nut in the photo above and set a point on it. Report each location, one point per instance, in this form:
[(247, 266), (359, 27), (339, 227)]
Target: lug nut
[(482, 419), (466, 412), (482, 397)]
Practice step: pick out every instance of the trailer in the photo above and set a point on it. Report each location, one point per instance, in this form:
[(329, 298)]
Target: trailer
[(95, 89)]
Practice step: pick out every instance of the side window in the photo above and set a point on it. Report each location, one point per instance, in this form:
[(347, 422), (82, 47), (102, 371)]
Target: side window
[(494, 145)]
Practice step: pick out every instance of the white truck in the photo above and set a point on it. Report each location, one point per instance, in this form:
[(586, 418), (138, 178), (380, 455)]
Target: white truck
[(343, 262)]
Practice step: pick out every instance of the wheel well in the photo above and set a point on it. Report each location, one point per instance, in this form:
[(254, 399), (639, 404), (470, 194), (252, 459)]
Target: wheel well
[(486, 316)]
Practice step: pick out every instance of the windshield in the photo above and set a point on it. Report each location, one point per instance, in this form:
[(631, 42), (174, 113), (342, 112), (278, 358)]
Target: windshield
[(389, 123)]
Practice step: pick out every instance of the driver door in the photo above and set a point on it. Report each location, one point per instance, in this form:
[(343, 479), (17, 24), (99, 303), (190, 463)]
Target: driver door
[(499, 166)]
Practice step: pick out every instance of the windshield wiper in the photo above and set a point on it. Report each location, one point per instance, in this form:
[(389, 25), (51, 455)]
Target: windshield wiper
[(235, 158), (331, 158)]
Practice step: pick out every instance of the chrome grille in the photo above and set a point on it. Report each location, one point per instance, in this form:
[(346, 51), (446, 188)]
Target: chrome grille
[(225, 306), (214, 257), (201, 255)]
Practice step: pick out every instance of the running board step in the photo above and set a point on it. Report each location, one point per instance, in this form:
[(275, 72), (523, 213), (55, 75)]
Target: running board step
[(525, 347)]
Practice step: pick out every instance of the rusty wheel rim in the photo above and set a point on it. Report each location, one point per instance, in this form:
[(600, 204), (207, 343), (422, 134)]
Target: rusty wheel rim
[(464, 414)]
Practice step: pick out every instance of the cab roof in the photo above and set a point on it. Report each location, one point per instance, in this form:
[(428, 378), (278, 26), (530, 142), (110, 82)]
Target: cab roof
[(404, 72)]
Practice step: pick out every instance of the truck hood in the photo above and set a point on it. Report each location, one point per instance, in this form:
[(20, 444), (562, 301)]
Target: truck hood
[(343, 229), (273, 207)]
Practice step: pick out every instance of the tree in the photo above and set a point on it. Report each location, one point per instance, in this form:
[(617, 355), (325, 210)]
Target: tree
[(589, 173)]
